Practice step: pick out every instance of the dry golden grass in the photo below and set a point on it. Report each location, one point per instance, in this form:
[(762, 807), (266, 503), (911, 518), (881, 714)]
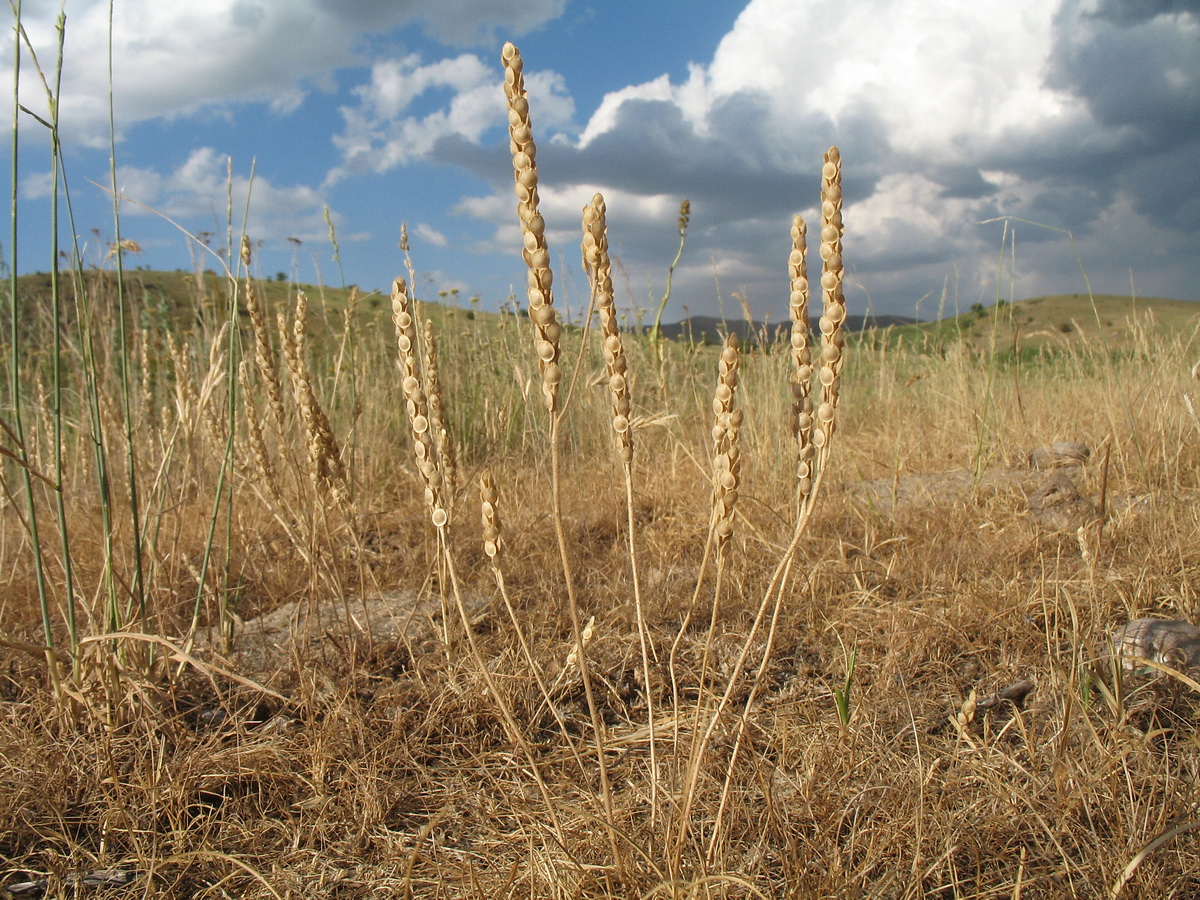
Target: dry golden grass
[(587, 701)]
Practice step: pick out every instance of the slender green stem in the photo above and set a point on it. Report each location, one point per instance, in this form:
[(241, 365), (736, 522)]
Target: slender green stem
[(139, 588), (684, 213), (56, 303), (15, 353)]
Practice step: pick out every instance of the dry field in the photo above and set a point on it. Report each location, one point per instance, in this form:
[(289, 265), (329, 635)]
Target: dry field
[(343, 605)]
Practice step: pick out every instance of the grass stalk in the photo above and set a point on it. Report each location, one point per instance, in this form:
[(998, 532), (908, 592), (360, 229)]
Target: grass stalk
[(123, 351), (547, 333), (598, 266), (18, 425)]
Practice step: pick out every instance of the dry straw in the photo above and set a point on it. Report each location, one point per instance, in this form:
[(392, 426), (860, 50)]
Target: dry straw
[(264, 357), (546, 344), (258, 444), (598, 266), (325, 458)]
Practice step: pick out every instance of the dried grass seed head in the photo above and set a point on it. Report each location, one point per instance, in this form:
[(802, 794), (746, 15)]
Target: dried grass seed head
[(489, 499), (535, 252), (597, 264), (415, 403), (727, 422), (833, 314)]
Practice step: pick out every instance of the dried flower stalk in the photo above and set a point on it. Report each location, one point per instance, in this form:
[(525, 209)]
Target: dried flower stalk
[(599, 268), (802, 377), (447, 462), (727, 462), (325, 457), (547, 331), (258, 445), (833, 316), (490, 515), (416, 404)]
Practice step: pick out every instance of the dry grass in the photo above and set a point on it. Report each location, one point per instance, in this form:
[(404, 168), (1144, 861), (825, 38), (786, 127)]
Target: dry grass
[(614, 681)]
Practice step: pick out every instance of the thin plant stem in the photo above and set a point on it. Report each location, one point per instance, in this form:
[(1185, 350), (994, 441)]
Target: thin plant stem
[(18, 426), (138, 586)]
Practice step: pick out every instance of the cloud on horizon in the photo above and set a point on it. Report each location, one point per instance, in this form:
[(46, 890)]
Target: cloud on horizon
[(1074, 114)]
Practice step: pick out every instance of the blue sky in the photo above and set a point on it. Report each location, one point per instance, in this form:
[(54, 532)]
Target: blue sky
[(1075, 114)]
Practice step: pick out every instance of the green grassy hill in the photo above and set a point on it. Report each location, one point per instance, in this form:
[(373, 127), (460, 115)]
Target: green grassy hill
[(1058, 321)]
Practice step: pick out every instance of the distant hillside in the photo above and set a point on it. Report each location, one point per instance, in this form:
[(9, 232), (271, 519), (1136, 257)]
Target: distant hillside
[(1059, 320), (710, 329), (184, 297)]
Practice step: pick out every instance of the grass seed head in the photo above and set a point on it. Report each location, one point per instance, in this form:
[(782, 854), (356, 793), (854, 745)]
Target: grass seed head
[(489, 499), (727, 422), (802, 404), (833, 316), (547, 331), (599, 268), (447, 461), (415, 403)]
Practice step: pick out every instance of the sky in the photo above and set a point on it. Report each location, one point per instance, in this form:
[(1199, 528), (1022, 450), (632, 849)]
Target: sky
[(992, 149)]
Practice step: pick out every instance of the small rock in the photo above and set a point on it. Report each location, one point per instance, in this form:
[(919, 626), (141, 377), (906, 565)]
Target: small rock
[(1058, 506), (1060, 454), (1168, 642)]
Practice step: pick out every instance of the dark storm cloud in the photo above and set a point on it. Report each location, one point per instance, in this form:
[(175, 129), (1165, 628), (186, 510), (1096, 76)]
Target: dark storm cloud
[(458, 22), (1094, 127), (1130, 12), (1136, 66), (1140, 73)]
